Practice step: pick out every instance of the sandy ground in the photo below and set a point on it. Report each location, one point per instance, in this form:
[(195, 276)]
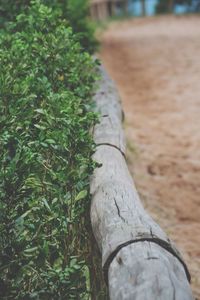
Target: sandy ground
[(156, 65)]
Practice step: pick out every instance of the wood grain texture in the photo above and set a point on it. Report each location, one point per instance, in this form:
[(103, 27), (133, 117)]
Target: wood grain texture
[(120, 224)]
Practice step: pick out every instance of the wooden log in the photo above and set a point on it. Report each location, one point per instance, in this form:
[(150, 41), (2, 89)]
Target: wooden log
[(144, 271), (109, 132), (117, 214), (121, 226), (107, 99)]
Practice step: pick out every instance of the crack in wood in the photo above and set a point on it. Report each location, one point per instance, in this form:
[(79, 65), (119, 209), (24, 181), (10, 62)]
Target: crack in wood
[(118, 211), (148, 258)]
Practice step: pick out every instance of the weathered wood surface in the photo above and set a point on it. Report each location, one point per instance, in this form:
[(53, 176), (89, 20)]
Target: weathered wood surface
[(109, 132), (144, 271), (107, 99), (120, 223)]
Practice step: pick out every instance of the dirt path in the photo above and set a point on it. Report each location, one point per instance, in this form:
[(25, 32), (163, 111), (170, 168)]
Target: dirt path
[(156, 65)]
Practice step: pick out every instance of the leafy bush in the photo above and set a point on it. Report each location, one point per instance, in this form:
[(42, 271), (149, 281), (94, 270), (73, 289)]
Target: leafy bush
[(75, 12), (45, 150)]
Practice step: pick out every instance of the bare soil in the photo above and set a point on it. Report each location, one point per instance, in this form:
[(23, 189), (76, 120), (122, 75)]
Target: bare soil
[(156, 65)]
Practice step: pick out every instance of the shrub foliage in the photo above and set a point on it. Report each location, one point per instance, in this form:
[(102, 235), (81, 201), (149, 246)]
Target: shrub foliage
[(75, 12), (46, 81)]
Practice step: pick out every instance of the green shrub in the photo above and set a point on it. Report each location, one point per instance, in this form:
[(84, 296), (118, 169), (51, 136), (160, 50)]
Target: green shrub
[(45, 151), (75, 12)]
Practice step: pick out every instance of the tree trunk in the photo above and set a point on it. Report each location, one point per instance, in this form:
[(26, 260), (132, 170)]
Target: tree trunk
[(125, 6), (143, 5), (170, 6)]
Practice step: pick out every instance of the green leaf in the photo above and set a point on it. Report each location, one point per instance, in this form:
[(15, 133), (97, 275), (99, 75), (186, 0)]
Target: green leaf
[(30, 250), (46, 204), (25, 214), (81, 195), (50, 141), (39, 126), (40, 111)]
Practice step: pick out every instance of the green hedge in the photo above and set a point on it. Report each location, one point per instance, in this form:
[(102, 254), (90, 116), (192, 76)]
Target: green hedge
[(46, 81), (75, 12)]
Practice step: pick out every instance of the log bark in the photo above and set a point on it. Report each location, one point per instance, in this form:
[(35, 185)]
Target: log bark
[(125, 233)]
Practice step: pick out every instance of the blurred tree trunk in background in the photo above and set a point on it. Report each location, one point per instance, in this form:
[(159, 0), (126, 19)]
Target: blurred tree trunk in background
[(143, 4), (165, 6), (170, 6), (125, 7)]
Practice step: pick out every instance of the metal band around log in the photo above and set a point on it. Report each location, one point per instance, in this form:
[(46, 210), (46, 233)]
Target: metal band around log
[(138, 259)]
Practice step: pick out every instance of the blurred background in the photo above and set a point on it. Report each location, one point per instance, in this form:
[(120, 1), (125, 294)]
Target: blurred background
[(101, 8), (151, 7)]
